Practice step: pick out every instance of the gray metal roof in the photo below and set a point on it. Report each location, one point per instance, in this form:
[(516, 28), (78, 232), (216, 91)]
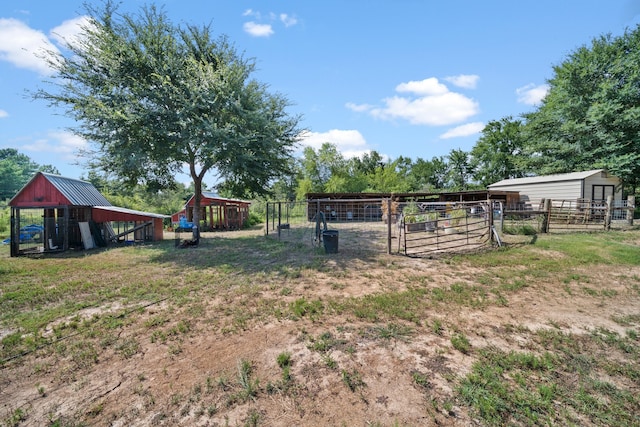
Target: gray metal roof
[(546, 178), (131, 211), (79, 193)]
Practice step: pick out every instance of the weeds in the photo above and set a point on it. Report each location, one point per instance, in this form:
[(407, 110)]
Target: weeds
[(352, 379), (461, 343)]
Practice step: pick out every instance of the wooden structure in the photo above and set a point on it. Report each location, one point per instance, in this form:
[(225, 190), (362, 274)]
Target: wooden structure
[(52, 213), (593, 185), (216, 213), (367, 206)]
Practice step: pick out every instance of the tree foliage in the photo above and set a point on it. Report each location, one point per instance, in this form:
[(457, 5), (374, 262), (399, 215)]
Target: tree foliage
[(153, 97), (498, 154), (591, 116), (16, 169)]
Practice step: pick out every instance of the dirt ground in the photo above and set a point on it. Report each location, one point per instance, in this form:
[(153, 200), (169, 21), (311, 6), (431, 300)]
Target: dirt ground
[(193, 381)]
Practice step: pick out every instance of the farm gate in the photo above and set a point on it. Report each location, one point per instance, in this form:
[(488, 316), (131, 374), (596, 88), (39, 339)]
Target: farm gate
[(383, 225), (557, 215)]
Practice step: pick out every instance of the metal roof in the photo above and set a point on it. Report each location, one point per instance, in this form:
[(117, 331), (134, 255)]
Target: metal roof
[(79, 193), (214, 196), (546, 178), (130, 211)]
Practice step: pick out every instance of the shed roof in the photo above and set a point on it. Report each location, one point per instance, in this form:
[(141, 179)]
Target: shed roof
[(77, 192), (212, 196), (573, 176), (128, 212)]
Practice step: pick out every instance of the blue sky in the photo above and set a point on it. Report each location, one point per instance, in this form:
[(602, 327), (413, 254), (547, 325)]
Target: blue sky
[(412, 78)]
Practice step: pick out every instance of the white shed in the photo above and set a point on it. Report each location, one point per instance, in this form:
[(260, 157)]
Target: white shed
[(594, 185)]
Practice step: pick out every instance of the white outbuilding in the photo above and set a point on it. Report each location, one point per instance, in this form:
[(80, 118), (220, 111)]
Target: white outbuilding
[(591, 185)]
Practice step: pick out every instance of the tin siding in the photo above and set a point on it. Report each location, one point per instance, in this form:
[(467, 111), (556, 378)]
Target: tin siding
[(534, 193)]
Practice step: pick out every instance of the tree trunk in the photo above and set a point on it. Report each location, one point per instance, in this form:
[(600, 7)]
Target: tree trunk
[(197, 200)]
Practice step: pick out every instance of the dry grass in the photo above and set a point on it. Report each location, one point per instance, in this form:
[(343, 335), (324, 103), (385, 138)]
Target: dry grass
[(245, 330)]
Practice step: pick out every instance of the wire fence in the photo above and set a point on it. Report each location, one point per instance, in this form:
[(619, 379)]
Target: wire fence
[(562, 215), (382, 225)]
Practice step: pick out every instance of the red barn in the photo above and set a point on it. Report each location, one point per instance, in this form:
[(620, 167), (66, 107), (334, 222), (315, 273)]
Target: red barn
[(54, 213)]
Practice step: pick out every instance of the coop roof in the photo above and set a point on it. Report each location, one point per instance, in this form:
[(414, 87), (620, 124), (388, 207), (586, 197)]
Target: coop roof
[(116, 213), (75, 191), (212, 197)]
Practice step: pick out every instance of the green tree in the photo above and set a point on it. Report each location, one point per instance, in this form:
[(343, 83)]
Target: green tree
[(429, 175), (16, 169), (460, 169), (498, 154), (392, 177), (152, 96), (591, 116)]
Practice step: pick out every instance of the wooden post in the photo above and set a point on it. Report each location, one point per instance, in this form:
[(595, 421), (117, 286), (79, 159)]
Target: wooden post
[(608, 213), (546, 215), (631, 207)]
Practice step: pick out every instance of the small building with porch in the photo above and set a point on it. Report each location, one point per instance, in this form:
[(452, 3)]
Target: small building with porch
[(216, 213), (52, 213)]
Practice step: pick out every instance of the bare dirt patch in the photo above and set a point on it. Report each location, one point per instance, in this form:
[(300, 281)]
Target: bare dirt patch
[(180, 362)]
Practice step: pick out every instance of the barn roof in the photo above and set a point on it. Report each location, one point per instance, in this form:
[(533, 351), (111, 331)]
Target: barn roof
[(78, 192), (573, 176)]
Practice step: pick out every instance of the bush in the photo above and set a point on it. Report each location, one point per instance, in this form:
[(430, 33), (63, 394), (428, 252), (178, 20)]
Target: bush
[(5, 220)]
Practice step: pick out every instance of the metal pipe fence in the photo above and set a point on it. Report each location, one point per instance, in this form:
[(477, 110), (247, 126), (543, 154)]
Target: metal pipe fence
[(383, 225)]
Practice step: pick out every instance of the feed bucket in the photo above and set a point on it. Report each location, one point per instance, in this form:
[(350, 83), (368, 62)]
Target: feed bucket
[(330, 239)]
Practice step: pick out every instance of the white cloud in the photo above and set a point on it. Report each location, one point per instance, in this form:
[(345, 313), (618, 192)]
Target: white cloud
[(61, 143), (430, 86), (3, 114), (464, 130), (69, 31), (288, 20), (23, 46), (358, 108), (350, 143), (467, 81), (258, 30), (532, 94), (432, 104)]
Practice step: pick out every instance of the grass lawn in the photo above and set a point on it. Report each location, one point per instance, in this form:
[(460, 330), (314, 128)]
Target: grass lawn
[(246, 330)]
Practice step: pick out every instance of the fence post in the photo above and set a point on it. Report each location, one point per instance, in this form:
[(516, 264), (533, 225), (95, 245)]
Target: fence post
[(608, 213), (389, 226), (631, 207), (490, 210), (266, 223), (279, 218), (546, 214)]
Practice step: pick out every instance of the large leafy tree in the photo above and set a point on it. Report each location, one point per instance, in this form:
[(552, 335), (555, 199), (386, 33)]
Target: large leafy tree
[(16, 169), (498, 154), (154, 97), (591, 116)]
